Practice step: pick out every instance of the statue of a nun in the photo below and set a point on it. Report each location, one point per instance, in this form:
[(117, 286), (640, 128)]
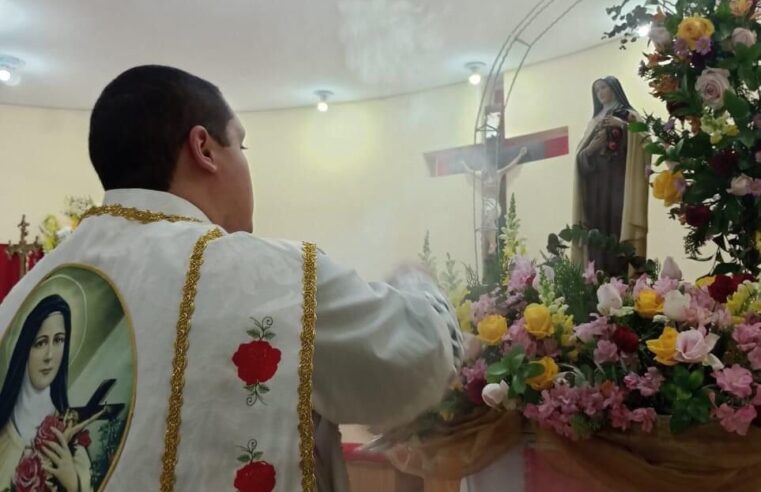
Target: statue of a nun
[(611, 185)]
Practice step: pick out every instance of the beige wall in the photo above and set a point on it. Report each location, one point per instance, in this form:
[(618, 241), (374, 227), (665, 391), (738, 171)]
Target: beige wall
[(353, 179)]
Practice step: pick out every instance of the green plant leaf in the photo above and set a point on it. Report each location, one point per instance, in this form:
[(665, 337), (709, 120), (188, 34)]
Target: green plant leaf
[(696, 379), (244, 458), (534, 369), (497, 372), (638, 127), (737, 106), (518, 385)]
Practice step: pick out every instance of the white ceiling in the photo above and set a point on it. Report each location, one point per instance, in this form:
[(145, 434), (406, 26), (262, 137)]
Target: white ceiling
[(271, 54)]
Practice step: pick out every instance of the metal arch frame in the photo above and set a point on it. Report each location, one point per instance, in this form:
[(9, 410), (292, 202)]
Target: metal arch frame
[(482, 128)]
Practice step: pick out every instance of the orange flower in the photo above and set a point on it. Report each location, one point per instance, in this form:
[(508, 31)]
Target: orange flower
[(695, 125), (664, 85)]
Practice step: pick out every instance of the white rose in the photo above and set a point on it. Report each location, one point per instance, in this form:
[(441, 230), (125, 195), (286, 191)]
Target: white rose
[(671, 269), (676, 304), (740, 185), (608, 299), (495, 394), (660, 36), (712, 84), (472, 347), (743, 36)]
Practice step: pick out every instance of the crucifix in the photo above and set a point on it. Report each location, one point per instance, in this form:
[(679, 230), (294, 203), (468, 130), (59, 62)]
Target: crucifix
[(489, 162), (23, 249)]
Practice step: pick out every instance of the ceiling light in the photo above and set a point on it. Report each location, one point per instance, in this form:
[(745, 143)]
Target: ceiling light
[(9, 68), (475, 72), (322, 106), (643, 30)]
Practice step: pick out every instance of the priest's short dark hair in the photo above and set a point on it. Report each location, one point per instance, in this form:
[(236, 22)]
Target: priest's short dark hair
[(143, 117)]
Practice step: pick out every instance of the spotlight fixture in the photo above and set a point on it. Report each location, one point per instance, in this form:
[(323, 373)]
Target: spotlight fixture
[(643, 30), (9, 67), (475, 72), (322, 106)]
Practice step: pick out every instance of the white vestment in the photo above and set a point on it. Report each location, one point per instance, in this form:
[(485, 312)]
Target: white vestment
[(381, 354)]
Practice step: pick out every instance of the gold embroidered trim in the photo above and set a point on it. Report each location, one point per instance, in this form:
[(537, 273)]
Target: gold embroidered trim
[(306, 355), (180, 361), (135, 214)]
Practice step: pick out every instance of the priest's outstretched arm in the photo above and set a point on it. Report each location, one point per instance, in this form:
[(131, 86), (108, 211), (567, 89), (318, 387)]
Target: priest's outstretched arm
[(383, 354)]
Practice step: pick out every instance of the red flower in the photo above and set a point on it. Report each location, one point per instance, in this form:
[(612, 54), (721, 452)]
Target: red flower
[(29, 476), (721, 288), (739, 278), (474, 390), (45, 431), (256, 361), (626, 340), (697, 216), (83, 439), (258, 476), (724, 162)]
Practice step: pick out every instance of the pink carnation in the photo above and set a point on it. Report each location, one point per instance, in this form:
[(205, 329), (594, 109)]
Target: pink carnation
[(521, 274), (486, 305), (648, 385), (606, 351), (475, 372), (664, 285), (588, 332), (754, 357), (736, 421), (747, 336), (735, 380), (517, 335), (645, 417)]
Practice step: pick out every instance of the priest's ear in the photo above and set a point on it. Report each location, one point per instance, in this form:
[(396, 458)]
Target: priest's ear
[(202, 148)]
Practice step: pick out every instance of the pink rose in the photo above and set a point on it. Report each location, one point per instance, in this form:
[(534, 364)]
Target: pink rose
[(735, 380), (494, 394), (693, 347), (29, 476), (711, 85), (606, 351), (671, 269), (736, 421), (743, 36), (740, 185)]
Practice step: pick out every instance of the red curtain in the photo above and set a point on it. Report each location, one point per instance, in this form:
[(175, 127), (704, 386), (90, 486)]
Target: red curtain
[(9, 269)]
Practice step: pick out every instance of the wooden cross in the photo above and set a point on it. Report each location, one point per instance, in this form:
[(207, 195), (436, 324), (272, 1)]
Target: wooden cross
[(23, 249)]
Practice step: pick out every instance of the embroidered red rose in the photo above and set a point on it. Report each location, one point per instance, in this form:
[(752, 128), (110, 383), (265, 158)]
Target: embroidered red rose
[(83, 439), (45, 431), (256, 361), (258, 476), (29, 476)]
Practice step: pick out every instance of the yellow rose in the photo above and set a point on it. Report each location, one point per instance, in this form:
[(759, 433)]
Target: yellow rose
[(464, 316), (705, 281), (649, 303), (668, 187), (538, 321), (546, 379), (740, 8), (664, 347), (491, 329), (693, 28)]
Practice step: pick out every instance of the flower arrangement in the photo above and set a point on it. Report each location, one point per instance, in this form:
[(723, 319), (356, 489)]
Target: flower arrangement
[(54, 230), (704, 66)]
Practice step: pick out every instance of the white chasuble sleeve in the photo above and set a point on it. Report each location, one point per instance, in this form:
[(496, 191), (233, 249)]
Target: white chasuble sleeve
[(383, 355)]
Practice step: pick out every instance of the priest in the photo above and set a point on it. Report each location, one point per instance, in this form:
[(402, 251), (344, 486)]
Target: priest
[(250, 351)]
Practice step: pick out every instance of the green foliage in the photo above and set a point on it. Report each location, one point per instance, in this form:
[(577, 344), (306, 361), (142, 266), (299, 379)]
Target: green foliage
[(688, 398)]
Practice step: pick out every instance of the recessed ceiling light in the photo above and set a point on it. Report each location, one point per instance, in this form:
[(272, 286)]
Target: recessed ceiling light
[(475, 72), (9, 69), (322, 106)]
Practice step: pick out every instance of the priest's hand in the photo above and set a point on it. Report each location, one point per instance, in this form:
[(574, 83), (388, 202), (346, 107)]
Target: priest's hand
[(62, 462)]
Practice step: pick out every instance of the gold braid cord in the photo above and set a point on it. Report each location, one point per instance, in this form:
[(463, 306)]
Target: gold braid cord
[(135, 214), (180, 361), (306, 424)]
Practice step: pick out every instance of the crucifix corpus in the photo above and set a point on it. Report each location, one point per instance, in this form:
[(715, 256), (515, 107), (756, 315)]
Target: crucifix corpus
[(23, 249), (489, 162)]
